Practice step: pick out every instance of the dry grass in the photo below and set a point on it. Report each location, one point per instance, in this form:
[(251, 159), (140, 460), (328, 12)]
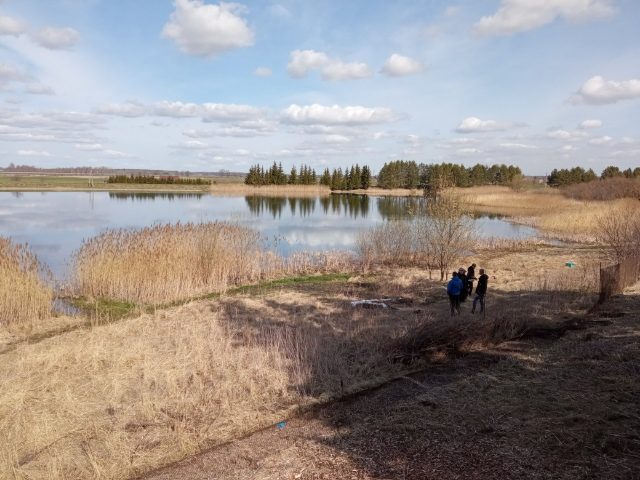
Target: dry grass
[(164, 263), (25, 298), (120, 399), (546, 209), (270, 190)]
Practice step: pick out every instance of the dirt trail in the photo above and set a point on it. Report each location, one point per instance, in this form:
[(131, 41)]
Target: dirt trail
[(561, 409)]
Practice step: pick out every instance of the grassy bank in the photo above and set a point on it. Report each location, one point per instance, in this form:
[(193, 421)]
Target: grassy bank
[(547, 209), (270, 190), (61, 183), (117, 400)]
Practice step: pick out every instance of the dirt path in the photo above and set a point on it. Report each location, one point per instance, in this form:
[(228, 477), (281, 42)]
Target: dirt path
[(561, 409)]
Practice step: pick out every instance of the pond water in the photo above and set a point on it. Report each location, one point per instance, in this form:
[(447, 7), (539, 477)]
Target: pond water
[(55, 223)]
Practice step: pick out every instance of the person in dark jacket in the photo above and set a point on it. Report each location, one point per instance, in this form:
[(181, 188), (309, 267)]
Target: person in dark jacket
[(463, 277), (481, 291), (454, 287), (471, 276)]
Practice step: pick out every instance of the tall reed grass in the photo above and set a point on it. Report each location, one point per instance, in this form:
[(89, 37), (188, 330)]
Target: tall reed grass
[(164, 263), (167, 263), (24, 297)]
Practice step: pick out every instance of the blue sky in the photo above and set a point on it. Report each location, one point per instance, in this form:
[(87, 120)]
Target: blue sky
[(201, 85)]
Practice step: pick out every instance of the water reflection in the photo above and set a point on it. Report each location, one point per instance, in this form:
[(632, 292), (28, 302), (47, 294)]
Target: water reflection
[(56, 223), (391, 208), (152, 196)]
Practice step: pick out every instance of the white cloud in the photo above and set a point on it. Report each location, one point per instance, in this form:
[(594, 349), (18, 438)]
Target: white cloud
[(598, 91), (601, 140), (474, 124), (468, 151), (518, 146), (280, 11), (10, 73), (522, 15), (302, 62), (206, 30), (594, 123), (33, 153), (208, 112), (39, 89), (127, 109), (56, 38), (116, 154), (262, 72), (191, 145), (399, 66), (336, 139), (560, 134), (336, 115), (11, 26), (89, 147)]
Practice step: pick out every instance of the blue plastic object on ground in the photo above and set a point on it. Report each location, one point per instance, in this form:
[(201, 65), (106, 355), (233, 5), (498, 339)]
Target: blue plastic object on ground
[(281, 425), (570, 264)]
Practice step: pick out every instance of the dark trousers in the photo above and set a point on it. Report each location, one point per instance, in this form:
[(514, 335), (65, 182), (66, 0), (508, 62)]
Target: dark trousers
[(470, 286), (479, 298), (454, 302)]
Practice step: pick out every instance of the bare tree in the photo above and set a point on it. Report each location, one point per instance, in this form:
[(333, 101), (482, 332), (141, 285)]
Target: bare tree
[(445, 233), (620, 232)]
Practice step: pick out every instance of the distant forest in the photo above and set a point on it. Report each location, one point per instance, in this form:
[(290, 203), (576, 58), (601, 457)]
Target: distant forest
[(152, 180), (396, 174), (565, 176)]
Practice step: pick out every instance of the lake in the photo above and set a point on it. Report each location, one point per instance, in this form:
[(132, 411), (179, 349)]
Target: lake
[(55, 223)]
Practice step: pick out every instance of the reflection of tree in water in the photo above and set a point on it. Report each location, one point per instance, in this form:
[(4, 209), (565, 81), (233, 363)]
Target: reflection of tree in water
[(391, 208), (274, 205), (258, 205), (151, 196), (353, 205)]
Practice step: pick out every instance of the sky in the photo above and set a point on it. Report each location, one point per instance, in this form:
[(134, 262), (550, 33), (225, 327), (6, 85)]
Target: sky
[(202, 85)]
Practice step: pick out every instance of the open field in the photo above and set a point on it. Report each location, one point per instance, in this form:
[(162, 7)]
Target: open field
[(119, 399), (546, 209), (61, 183)]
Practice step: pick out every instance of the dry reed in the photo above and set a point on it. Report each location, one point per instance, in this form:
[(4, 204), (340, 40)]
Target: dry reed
[(165, 263), (24, 297)]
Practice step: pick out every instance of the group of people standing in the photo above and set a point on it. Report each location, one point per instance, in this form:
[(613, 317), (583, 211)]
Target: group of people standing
[(461, 286)]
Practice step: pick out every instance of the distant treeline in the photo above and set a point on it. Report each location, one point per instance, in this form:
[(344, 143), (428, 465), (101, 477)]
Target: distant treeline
[(275, 175), (351, 178), (152, 180), (572, 176), (409, 174)]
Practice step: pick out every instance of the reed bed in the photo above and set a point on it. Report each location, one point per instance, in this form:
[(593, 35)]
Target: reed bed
[(165, 263), (546, 209), (25, 298)]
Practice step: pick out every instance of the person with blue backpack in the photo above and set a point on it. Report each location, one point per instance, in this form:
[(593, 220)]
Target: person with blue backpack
[(454, 288)]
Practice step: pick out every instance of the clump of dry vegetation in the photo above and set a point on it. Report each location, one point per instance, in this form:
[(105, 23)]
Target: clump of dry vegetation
[(546, 209), (24, 297), (606, 189), (435, 237), (164, 263)]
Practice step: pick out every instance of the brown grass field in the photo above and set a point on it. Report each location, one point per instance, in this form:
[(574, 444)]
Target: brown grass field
[(547, 209), (118, 400)]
